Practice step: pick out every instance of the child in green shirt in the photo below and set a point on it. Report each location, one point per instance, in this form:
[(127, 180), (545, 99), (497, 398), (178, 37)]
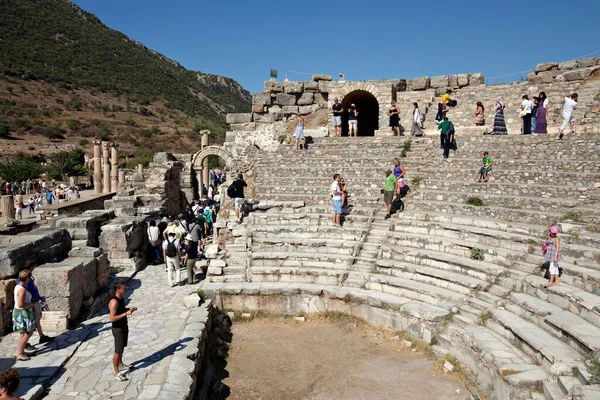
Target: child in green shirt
[(487, 167)]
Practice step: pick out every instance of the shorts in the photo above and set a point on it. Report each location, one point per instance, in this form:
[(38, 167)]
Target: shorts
[(238, 202), (485, 170), (121, 336), (567, 119), (388, 196), (352, 123), (553, 269), (337, 206), (299, 133), (337, 121)]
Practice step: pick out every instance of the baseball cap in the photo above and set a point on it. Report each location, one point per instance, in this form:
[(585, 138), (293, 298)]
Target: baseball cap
[(554, 229)]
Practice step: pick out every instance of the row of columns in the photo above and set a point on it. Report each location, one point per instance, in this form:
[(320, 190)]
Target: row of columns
[(107, 176)]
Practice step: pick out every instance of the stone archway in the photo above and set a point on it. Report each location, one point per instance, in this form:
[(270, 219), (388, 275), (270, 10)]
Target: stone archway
[(368, 112), (198, 158)]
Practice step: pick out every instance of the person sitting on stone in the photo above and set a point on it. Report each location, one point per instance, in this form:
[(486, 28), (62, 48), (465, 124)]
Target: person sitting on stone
[(9, 383), (36, 300)]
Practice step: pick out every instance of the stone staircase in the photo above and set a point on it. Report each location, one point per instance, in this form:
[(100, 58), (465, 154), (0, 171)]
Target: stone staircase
[(493, 315)]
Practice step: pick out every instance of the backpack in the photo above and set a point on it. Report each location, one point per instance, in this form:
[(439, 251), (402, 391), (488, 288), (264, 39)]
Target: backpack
[(232, 191), (171, 249), (451, 130)]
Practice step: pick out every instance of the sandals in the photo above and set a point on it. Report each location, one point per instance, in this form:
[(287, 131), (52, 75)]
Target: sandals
[(22, 357)]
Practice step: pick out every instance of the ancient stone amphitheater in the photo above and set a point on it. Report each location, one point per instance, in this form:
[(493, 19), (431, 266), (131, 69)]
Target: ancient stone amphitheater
[(415, 271)]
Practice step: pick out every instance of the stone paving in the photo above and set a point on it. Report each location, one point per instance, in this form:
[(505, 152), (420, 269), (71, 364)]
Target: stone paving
[(79, 364)]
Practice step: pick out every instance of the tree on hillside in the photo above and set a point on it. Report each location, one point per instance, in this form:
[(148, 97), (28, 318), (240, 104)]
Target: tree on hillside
[(20, 167), (67, 163)]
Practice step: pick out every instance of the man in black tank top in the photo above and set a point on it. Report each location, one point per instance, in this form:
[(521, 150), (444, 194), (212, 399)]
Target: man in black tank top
[(118, 316)]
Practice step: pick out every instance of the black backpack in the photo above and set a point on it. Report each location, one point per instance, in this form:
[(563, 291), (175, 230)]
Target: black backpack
[(232, 191), (171, 248)]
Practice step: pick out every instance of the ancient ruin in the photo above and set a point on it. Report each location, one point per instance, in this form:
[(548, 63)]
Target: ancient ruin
[(458, 267)]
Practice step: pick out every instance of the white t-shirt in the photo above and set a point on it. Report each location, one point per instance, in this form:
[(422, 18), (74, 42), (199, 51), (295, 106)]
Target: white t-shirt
[(196, 209), (335, 186), (526, 106), (153, 233), (545, 103), (165, 243), (570, 105)]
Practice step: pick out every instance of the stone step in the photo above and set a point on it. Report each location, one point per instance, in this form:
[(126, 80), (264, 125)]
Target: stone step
[(544, 346), (319, 198), (298, 275), (347, 232), (225, 279), (300, 260), (552, 391), (413, 308), (492, 211), (301, 250), (582, 335)]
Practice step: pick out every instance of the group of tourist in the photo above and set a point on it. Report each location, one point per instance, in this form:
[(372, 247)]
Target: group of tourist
[(338, 109), (27, 312)]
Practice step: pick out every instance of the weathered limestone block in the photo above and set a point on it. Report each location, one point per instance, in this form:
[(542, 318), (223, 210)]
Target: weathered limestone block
[(321, 77), (533, 77), (211, 251), (321, 99), (289, 109), (268, 118), (87, 226), (62, 284), (191, 301), (549, 66), (212, 270), (263, 99), (304, 110), (284, 99), (476, 78), (124, 235), (273, 87), (89, 280), (567, 65), (217, 263), (7, 288), (306, 99), (439, 82), (546, 77), (275, 110), (324, 86), (311, 86), (587, 62), (163, 157), (102, 271), (422, 83), (453, 81), (578, 74), (256, 108), (238, 118), (43, 246), (293, 87), (463, 80)]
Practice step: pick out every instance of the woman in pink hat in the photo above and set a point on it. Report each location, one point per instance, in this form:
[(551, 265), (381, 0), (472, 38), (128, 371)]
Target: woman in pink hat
[(552, 255)]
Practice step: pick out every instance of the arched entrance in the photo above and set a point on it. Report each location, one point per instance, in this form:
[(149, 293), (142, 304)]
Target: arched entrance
[(201, 166), (368, 112)]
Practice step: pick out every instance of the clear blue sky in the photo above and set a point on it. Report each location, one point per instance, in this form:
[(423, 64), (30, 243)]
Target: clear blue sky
[(244, 39)]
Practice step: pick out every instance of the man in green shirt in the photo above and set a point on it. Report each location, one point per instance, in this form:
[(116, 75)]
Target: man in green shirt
[(446, 135), (389, 191)]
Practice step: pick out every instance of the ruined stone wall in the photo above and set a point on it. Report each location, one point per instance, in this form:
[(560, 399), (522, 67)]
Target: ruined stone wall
[(74, 207), (569, 71)]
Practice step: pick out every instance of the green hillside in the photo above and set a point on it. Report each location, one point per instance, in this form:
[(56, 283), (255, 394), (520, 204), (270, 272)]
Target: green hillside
[(57, 42)]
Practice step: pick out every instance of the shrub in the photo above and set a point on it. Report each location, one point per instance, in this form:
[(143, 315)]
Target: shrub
[(20, 167), (130, 122), (477, 254), (406, 148), (572, 216), (10, 89), (74, 125), (475, 201), (83, 142), (117, 108), (417, 181), (55, 133), (31, 148), (4, 130)]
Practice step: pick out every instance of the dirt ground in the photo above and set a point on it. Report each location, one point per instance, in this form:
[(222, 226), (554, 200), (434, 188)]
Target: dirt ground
[(321, 359)]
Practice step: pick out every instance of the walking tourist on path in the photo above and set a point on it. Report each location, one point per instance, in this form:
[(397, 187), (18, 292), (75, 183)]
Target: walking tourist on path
[(552, 254), (567, 114), (120, 330), (535, 102), (18, 208), (487, 167), (36, 302), (23, 316), (299, 134), (353, 121), (390, 190), (399, 172), (172, 255), (155, 242), (442, 104), (394, 114), (9, 383), (499, 123), (540, 121), (236, 192), (31, 205), (49, 197), (336, 199), (479, 114), (201, 221), (337, 109), (526, 115), (446, 128), (417, 122), (191, 254)]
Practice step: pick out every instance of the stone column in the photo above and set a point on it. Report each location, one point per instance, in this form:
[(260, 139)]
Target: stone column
[(97, 168), (140, 169), (8, 207), (114, 167), (205, 177), (106, 165), (121, 179)]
